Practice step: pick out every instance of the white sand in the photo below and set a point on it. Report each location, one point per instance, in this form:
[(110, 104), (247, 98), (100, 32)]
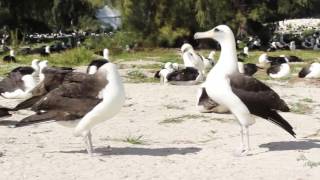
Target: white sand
[(197, 148)]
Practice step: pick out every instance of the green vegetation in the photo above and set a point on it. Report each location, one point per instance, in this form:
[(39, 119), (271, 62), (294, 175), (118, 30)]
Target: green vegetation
[(307, 162), (137, 76), (134, 140), (307, 100), (300, 108), (180, 119), (166, 23)]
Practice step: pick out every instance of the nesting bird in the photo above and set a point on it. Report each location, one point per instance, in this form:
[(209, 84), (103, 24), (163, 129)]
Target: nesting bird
[(191, 58), (248, 69), (310, 71), (20, 81), (10, 58), (280, 70)]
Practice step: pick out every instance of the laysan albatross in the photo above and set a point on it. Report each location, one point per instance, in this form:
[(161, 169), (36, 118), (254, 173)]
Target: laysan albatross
[(310, 71), (20, 81), (83, 104), (97, 63), (243, 95)]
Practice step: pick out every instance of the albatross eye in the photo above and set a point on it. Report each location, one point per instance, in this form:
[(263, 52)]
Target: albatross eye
[(216, 30)]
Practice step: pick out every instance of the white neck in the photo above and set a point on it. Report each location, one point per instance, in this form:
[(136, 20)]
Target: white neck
[(228, 58)]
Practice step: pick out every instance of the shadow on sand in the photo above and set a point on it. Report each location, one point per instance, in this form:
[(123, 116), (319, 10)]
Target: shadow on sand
[(140, 151), (292, 145)]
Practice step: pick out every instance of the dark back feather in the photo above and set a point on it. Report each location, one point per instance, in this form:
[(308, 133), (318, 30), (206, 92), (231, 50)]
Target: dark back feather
[(260, 100), (274, 69), (187, 74), (97, 62), (304, 72)]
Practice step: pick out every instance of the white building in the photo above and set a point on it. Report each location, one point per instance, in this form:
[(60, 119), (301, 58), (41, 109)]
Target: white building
[(109, 17)]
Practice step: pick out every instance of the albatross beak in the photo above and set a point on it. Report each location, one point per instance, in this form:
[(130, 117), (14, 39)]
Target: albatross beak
[(204, 35)]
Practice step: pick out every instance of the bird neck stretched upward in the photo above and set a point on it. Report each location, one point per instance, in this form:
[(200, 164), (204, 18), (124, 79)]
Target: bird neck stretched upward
[(228, 58)]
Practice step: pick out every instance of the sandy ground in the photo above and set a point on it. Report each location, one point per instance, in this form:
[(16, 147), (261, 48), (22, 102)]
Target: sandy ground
[(177, 142)]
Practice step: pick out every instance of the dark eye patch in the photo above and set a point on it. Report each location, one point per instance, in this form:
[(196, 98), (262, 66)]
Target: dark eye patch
[(216, 30)]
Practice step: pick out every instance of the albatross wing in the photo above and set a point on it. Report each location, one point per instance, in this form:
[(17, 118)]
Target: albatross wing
[(260, 99)]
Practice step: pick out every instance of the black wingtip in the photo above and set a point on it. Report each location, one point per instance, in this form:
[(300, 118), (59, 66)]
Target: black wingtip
[(275, 118), (157, 74)]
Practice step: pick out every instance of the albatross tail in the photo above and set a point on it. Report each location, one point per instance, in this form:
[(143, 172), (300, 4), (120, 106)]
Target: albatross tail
[(4, 112), (27, 103), (274, 117)]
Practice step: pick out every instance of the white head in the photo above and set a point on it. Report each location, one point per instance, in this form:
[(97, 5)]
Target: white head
[(186, 47), (43, 64), (263, 58), (315, 66), (211, 55), (47, 49), (246, 50), (106, 53), (292, 43), (225, 37), (35, 64), (175, 66), (11, 52), (222, 33), (168, 65)]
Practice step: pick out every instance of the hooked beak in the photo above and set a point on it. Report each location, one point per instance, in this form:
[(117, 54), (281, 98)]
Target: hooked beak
[(204, 35)]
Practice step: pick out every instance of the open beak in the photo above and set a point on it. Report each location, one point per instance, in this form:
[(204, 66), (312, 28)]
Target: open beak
[(204, 35)]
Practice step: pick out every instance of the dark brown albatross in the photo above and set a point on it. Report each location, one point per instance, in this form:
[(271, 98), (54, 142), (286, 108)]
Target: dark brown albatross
[(82, 104)]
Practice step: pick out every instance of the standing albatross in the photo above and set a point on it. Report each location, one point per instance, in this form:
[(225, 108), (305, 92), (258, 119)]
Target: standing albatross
[(83, 104), (243, 95)]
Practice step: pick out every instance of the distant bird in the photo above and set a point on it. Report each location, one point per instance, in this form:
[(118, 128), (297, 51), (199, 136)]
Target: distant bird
[(10, 58), (186, 74), (281, 70), (163, 73), (20, 81), (46, 51), (243, 95), (248, 69), (104, 53), (292, 45), (291, 58), (245, 52), (174, 73), (191, 58), (310, 71), (265, 59), (82, 104), (208, 62)]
